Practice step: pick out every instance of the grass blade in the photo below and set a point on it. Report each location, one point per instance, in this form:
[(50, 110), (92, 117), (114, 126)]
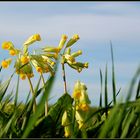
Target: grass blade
[(16, 95), (106, 92), (113, 75), (100, 103)]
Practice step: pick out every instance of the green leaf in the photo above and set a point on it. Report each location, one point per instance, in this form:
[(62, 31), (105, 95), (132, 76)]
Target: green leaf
[(62, 104)]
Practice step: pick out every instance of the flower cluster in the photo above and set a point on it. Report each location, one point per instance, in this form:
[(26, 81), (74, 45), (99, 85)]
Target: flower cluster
[(70, 58), (25, 62), (81, 97)]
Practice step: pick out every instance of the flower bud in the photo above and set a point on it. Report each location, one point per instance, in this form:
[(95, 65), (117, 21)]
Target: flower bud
[(72, 40), (68, 51), (76, 37), (75, 54), (62, 41), (65, 120), (86, 65), (30, 75), (39, 69), (32, 39), (67, 131), (52, 49)]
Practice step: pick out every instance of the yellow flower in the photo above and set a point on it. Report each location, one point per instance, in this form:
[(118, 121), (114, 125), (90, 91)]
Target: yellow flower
[(67, 131), (86, 65), (37, 37), (39, 69), (70, 59), (24, 59), (84, 107), (12, 52), (7, 45), (77, 94), (32, 39), (76, 37), (30, 75), (22, 76), (52, 63), (5, 63)]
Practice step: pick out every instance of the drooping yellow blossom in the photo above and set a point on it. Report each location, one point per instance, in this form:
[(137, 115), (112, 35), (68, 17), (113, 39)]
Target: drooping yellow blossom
[(12, 52), (39, 69), (30, 75), (37, 37), (84, 107), (77, 90), (24, 59), (5, 63), (22, 76), (7, 45), (77, 94), (80, 95)]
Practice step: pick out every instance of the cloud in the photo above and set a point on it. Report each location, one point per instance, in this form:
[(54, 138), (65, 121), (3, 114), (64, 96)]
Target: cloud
[(89, 26)]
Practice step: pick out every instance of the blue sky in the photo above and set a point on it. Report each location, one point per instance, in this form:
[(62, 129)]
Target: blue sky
[(96, 23)]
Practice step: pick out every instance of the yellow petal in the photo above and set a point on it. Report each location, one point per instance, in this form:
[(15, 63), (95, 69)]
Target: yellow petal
[(24, 59), (4, 64), (7, 45), (23, 76)]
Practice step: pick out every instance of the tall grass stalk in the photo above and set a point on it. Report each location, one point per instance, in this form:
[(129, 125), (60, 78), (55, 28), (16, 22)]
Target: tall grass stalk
[(33, 94)]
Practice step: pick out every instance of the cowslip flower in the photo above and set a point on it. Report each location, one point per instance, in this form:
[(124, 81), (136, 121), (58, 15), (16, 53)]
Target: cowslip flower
[(70, 59), (62, 41), (80, 95), (5, 63), (73, 40), (24, 59), (7, 45), (32, 39)]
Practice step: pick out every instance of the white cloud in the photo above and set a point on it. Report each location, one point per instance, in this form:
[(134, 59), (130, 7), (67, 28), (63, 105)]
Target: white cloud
[(89, 26)]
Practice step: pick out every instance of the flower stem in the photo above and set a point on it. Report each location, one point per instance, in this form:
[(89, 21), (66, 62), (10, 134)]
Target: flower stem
[(33, 93), (64, 78), (46, 103)]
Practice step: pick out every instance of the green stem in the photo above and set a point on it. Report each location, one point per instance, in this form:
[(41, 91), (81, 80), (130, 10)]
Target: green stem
[(33, 93), (64, 78), (46, 103)]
